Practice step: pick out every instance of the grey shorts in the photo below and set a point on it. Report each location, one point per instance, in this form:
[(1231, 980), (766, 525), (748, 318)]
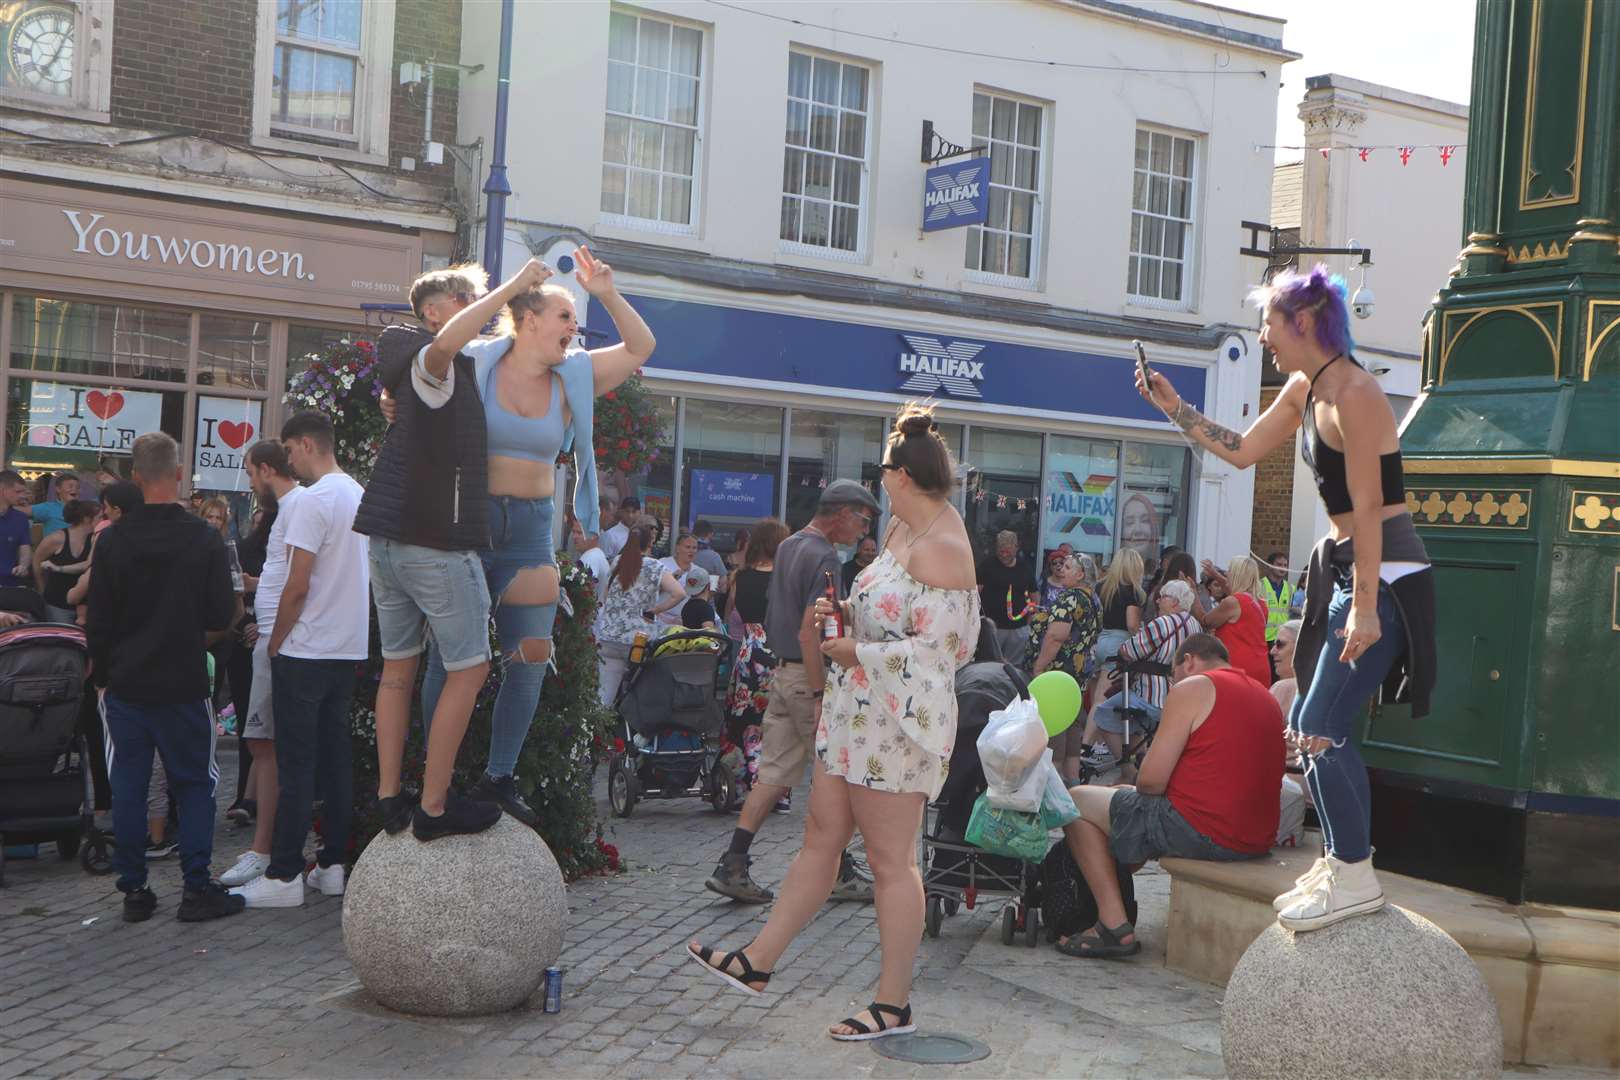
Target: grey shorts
[(418, 589), (1143, 827), (259, 722)]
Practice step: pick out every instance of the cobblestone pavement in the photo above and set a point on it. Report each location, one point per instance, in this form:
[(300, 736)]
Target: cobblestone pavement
[(270, 993)]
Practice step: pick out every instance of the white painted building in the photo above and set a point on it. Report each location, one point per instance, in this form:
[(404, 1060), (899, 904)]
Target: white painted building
[(756, 180), (1409, 213)]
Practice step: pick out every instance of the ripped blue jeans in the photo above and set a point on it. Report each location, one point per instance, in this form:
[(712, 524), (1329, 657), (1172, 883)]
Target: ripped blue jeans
[(1338, 777), (521, 531)]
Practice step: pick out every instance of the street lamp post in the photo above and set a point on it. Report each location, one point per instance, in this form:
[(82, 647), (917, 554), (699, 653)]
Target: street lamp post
[(496, 188)]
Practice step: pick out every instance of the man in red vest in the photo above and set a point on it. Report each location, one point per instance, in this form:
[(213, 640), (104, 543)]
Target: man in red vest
[(1207, 790)]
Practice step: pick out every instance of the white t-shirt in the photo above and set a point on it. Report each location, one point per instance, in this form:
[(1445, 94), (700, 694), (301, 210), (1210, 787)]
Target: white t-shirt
[(597, 563), (277, 560), (334, 624), (436, 392), (614, 539)]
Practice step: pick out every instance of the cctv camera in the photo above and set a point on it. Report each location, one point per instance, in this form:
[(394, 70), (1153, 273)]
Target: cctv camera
[(1362, 303), (1379, 369)]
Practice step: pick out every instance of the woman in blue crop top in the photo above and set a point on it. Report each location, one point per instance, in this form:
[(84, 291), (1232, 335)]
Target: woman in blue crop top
[(1356, 628), (524, 376)]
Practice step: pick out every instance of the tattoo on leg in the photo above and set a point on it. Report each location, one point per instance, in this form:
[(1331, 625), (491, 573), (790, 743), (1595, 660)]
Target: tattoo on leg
[(1188, 419)]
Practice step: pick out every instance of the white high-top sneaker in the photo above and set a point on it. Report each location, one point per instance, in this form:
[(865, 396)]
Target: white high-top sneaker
[(1346, 890), (1302, 884)]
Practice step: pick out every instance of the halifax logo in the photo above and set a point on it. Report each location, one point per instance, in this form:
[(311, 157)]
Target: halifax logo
[(933, 366), (956, 195)]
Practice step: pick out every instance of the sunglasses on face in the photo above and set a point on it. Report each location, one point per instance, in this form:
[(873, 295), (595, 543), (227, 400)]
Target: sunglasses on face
[(889, 466)]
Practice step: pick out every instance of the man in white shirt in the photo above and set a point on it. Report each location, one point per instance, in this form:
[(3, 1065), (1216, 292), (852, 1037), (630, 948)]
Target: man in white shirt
[(319, 637), (271, 477), (589, 550), (614, 539)]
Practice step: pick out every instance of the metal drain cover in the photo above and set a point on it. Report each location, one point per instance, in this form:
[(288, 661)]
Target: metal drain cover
[(932, 1049)]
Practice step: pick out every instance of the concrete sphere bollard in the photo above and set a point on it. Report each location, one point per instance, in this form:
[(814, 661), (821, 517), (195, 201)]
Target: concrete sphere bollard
[(1387, 994), (459, 926)]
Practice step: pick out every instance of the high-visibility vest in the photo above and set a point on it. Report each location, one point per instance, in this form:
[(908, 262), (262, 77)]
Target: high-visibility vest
[(1277, 604)]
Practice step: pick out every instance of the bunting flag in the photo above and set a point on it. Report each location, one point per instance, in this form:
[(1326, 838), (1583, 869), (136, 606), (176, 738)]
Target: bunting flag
[(1445, 151)]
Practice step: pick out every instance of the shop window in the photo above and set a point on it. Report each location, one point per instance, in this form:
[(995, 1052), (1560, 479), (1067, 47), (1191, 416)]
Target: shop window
[(731, 461), (233, 352), (304, 342), (1003, 489), (650, 158), (74, 337), (323, 70), (58, 56), (1003, 251), (824, 170), (1161, 219), (56, 424), (1081, 498), (1154, 511), (823, 447), (653, 485)]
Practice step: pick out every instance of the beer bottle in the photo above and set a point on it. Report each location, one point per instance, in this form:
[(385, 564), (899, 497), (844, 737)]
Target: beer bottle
[(833, 625), (638, 647)]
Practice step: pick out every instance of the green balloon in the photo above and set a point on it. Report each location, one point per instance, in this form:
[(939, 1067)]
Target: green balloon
[(1057, 696)]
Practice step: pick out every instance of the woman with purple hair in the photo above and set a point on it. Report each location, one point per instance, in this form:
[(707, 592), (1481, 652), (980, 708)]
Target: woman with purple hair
[(1369, 606)]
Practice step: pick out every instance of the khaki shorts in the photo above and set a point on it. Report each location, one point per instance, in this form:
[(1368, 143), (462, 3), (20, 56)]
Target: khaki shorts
[(788, 732)]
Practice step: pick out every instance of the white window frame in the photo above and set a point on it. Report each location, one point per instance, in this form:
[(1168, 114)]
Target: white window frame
[(92, 70), (373, 91), (864, 211), (1037, 247), (695, 217), (1189, 261)]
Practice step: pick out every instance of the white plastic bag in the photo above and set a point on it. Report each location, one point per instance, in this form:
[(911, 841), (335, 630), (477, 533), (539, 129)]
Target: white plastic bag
[(1026, 797), (1057, 805), (1011, 745)]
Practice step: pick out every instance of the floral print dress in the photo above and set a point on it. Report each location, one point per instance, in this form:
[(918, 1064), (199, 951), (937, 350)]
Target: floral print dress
[(889, 722)]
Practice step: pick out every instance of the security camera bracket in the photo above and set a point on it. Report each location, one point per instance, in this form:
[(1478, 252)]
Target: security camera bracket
[(1277, 246)]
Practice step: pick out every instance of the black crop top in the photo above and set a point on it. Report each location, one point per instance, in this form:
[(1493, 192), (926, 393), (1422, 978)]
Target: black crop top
[(1327, 464)]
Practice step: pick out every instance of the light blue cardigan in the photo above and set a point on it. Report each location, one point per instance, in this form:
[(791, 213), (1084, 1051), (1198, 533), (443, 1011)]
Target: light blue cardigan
[(579, 384)]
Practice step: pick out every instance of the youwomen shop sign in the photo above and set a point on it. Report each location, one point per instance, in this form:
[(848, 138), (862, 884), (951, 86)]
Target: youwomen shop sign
[(727, 344), (91, 236)]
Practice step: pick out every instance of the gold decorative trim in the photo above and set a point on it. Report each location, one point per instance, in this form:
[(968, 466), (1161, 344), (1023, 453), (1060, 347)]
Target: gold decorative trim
[(1483, 243), (1594, 513), (1471, 508), (1593, 470), (1533, 57), (1555, 341), (1594, 234), (1594, 337), (1547, 253)]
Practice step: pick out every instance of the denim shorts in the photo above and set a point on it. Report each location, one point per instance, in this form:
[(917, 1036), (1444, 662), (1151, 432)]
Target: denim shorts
[(1110, 719), (521, 533), (417, 588), (1143, 827)]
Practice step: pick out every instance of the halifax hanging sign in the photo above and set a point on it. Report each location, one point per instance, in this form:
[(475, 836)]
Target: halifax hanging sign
[(956, 194)]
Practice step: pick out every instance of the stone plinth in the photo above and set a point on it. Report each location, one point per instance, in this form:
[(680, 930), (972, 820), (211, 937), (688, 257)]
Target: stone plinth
[(460, 926), (1388, 994)]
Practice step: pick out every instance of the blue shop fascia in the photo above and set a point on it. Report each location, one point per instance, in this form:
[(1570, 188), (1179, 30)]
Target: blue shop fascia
[(775, 381)]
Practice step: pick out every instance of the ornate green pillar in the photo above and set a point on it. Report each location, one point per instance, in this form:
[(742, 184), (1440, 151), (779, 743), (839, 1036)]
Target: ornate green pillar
[(1512, 785)]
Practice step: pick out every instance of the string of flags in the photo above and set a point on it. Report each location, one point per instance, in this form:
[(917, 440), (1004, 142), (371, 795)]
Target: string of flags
[(1446, 151)]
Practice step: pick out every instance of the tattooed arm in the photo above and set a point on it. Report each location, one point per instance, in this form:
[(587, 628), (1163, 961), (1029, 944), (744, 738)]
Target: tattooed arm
[(1274, 427)]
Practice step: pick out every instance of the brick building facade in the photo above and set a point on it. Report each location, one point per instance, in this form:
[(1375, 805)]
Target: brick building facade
[(1273, 491)]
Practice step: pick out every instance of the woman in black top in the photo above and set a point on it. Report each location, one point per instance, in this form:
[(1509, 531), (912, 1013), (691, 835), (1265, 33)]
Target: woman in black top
[(751, 676), (63, 557)]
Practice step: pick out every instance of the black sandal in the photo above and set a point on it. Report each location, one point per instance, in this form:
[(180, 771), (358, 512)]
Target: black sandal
[(705, 956), (1107, 944), (902, 1024)]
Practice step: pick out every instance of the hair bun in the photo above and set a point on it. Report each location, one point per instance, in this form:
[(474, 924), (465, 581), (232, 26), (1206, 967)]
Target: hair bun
[(916, 422)]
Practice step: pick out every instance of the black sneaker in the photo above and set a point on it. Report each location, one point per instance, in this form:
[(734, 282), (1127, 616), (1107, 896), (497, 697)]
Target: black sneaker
[(784, 805), (160, 849), (212, 901), (731, 878), (461, 817), (139, 904), (396, 811), (502, 790)]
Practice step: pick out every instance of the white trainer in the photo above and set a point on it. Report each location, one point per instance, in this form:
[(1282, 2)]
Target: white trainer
[(1302, 884), (265, 891), (328, 880), (1347, 890), (248, 867)]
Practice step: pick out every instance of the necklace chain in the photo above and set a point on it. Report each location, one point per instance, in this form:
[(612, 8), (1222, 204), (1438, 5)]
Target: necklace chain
[(914, 537)]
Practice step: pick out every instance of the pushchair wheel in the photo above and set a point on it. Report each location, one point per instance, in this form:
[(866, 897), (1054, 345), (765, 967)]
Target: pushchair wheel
[(1009, 924), (1032, 926), (933, 916), (722, 788), (622, 786), (952, 907), (67, 845), (94, 856)]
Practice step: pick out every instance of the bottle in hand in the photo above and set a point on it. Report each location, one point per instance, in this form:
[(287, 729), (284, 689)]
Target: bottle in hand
[(833, 625)]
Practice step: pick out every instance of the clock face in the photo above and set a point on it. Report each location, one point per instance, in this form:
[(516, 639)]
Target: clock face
[(39, 50)]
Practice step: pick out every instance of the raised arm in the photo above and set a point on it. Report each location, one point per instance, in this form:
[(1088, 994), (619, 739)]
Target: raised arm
[(616, 363), (465, 324), (1273, 427)]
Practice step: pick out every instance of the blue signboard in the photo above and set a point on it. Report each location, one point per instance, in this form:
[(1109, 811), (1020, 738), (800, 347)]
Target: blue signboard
[(957, 194), (724, 344), (723, 494)]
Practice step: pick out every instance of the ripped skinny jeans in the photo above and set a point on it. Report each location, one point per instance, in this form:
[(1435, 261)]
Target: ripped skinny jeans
[(521, 531), (1337, 777)]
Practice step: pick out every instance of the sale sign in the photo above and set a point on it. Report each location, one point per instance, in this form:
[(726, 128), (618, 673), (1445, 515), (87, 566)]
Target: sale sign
[(66, 417), (226, 427)]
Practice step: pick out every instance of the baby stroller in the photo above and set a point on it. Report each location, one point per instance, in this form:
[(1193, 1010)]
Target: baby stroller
[(670, 706), (46, 787), (1140, 725), (956, 873)]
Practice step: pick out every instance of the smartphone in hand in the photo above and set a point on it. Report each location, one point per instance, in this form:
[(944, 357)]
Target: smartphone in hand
[(1142, 367)]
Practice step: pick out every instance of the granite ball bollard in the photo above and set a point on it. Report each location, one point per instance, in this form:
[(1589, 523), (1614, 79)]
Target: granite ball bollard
[(459, 926), (1387, 994)]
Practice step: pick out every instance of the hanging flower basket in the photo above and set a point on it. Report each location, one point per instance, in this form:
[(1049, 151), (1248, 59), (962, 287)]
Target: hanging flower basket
[(342, 382), (628, 430)]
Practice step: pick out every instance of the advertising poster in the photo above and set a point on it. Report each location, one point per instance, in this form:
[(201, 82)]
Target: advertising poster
[(226, 427), (1082, 491), (97, 419), (719, 493)]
